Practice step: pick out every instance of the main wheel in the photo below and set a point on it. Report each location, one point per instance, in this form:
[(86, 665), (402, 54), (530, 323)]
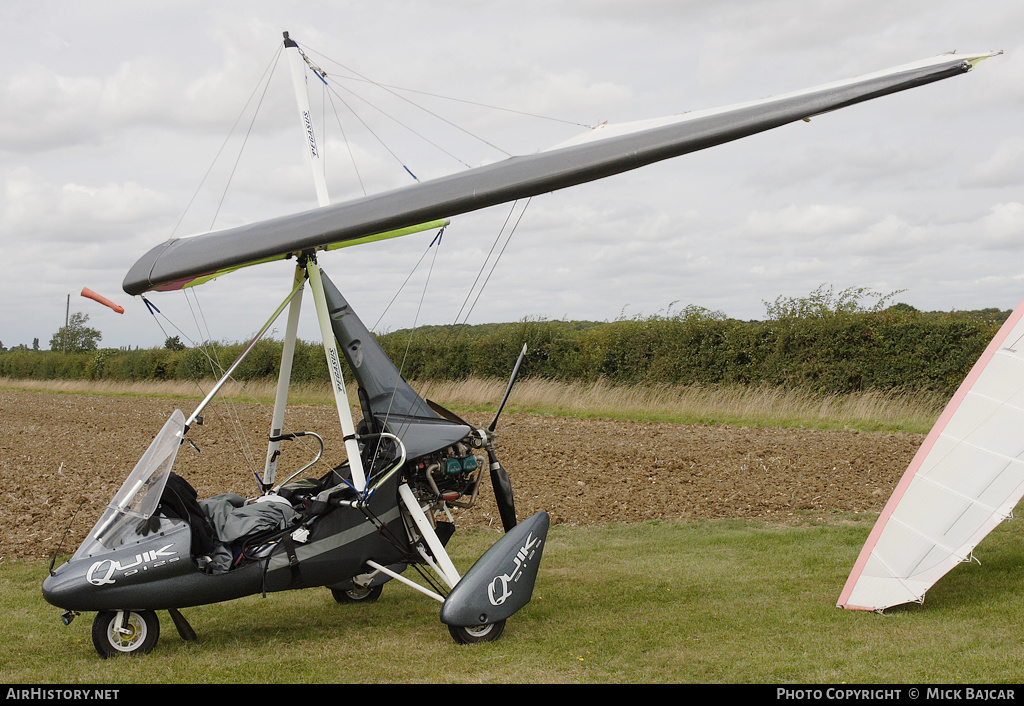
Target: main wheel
[(137, 636), (480, 633), (357, 594)]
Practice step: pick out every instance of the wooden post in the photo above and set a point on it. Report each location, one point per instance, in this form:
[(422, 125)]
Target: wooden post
[(67, 322)]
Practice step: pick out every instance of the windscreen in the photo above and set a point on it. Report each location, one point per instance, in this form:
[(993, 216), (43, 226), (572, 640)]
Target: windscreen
[(140, 494)]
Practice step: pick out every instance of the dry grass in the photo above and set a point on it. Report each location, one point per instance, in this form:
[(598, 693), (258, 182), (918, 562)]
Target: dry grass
[(748, 406), (763, 405), (258, 391)]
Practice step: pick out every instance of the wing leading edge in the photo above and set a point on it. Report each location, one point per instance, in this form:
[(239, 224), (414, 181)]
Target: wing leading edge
[(182, 262)]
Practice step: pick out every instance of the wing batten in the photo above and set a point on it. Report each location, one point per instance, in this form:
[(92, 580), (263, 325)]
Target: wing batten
[(511, 179)]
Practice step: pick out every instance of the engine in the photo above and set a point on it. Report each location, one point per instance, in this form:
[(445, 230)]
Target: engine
[(450, 475)]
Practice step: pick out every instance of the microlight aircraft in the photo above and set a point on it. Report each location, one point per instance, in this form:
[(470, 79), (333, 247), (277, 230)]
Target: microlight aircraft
[(386, 507)]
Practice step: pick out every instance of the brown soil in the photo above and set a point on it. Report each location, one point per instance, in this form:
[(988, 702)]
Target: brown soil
[(63, 456)]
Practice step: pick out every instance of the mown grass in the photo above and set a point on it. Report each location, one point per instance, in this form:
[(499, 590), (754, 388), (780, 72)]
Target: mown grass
[(708, 602), (746, 406)]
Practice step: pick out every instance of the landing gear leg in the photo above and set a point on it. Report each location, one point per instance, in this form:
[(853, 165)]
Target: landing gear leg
[(184, 629)]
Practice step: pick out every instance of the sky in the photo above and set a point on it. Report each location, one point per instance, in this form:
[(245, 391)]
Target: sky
[(122, 125)]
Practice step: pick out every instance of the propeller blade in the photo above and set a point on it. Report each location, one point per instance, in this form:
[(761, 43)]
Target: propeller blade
[(447, 413), (502, 492), (508, 390)]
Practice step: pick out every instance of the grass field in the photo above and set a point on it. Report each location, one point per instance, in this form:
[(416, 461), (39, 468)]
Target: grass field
[(725, 602), (716, 602)]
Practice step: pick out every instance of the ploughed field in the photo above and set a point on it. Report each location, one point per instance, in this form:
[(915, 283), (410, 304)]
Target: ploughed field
[(63, 456)]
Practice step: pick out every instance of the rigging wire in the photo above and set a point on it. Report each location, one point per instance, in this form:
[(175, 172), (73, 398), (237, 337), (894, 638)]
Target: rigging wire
[(188, 206), (234, 167), (206, 347), (201, 347), (322, 75), (479, 274), (216, 367), (456, 329), (374, 133), (344, 137), (502, 252), (393, 90), (234, 418), (416, 105), (438, 239), (359, 77), (418, 134), (432, 113), (329, 92), (495, 264), (479, 105)]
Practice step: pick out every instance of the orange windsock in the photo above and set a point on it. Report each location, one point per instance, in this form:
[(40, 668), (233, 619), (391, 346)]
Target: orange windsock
[(86, 292)]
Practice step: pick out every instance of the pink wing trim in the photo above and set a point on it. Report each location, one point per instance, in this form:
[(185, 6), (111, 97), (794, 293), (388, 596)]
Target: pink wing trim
[(922, 453)]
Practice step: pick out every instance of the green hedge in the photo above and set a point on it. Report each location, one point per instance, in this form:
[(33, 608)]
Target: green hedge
[(831, 352), (827, 351)]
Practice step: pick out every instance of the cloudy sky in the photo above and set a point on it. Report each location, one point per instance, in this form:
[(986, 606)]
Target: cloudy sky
[(121, 125)]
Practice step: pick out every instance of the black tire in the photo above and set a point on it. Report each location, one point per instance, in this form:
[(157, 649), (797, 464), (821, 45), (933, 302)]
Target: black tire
[(357, 594), (143, 630), (482, 633)]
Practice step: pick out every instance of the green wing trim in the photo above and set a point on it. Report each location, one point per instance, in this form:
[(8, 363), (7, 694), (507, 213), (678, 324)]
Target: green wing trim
[(387, 235)]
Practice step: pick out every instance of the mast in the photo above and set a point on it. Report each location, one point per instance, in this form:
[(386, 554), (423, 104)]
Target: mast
[(308, 269), (297, 63)]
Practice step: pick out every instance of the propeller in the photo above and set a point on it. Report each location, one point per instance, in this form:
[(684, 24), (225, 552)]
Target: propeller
[(508, 390), (499, 476)]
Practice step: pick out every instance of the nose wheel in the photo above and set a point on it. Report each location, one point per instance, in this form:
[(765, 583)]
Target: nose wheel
[(481, 633), (125, 632)]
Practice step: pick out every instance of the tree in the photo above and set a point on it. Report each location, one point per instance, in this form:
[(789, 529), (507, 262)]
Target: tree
[(173, 343), (76, 337), (824, 302)]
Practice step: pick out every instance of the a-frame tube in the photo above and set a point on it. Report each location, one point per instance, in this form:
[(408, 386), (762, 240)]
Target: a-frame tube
[(284, 378), (348, 429), (227, 375)]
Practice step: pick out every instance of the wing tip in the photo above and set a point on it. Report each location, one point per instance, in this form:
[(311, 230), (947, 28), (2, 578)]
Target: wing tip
[(974, 58)]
